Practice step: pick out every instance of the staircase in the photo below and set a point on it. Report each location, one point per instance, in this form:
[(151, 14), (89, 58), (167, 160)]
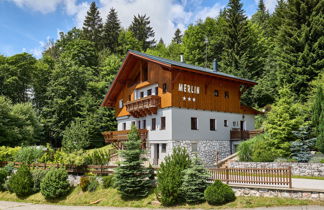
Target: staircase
[(225, 162)]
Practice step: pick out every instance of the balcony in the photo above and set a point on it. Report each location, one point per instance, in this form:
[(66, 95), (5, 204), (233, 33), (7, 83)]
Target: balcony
[(237, 134), (116, 138), (144, 106)]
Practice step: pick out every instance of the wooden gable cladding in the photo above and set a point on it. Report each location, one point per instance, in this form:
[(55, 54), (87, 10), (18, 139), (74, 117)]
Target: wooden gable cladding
[(205, 99)]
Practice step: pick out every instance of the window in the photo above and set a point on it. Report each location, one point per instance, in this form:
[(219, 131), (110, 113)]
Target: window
[(142, 94), (234, 123), (216, 93), (153, 124), (144, 71), (194, 147), (149, 92), (163, 150), (162, 123), (194, 123), (121, 103), (156, 91), (164, 87), (225, 123), (212, 124), (124, 126), (139, 124), (226, 94), (144, 124)]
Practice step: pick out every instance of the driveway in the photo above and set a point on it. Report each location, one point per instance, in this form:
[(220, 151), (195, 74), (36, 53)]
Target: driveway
[(28, 206)]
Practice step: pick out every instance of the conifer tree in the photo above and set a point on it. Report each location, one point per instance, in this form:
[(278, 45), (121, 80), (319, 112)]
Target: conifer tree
[(142, 31), (261, 17), (177, 37), (318, 118), (92, 26), (132, 178), (111, 31)]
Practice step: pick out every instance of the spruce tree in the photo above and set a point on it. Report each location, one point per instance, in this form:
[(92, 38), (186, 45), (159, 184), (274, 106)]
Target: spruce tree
[(195, 182), (142, 31), (177, 37), (261, 17), (320, 137), (318, 118), (239, 56), (111, 31), (92, 26), (132, 178)]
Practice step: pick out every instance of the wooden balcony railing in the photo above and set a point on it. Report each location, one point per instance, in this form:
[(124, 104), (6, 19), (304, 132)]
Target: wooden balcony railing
[(116, 138), (144, 106), (244, 134)]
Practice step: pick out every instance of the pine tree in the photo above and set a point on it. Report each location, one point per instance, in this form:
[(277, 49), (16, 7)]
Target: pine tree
[(239, 55), (111, 31), (143, 31), (177, 37), (92, 26), (195, 182), (132, 178)]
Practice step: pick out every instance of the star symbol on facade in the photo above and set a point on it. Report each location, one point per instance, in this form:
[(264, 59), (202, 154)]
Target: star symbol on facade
[(184, 98), (193, 99), (189, 99)]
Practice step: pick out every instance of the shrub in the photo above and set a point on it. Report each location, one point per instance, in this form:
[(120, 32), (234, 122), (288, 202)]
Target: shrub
[(84, 183), (29, 155), (93, 184), (3, 177), (38, 176), (219, 193), (245, 150), (55, 184), (195, 183), (75, 137), (21, 182), (170, 176), (107, 181), (8, 153), (262, 151)]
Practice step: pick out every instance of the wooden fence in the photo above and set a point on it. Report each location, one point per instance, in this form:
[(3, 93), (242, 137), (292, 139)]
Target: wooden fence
[(253, 176), (95, 169)]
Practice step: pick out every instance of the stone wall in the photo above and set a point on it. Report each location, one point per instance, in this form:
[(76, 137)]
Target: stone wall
[(298, 169), (281, 193), (209, 151)]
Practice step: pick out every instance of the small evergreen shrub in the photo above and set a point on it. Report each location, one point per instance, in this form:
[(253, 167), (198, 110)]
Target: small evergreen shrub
[(3, 177), (195, 183), (55, 184), (21, 182), (107, 181), (93, 184), (219, 193), (84, 183), (38, 176)]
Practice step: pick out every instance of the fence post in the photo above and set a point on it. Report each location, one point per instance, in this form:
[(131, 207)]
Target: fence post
[(227, 175), (289, 174)]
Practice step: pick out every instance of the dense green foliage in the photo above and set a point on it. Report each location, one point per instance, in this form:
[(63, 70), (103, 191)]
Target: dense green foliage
[(219, 193), (93, 184), (21, 182), (170, 177), (3, 177), (108, 181), (29, 154), (132, 178), (84, 183), (195, 182), (38, 176), (55, 184), (75, 137)]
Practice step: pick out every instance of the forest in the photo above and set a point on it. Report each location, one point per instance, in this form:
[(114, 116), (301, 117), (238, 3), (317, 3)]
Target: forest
[(56, 99)]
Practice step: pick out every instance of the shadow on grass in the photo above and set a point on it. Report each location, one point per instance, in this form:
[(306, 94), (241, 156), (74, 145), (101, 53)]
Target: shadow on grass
[(62, 198)]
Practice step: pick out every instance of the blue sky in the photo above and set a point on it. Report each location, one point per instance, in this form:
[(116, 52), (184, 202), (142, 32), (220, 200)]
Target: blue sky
[(27, 25)]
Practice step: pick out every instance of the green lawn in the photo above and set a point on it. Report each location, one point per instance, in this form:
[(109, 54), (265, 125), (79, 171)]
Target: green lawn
[(110, 197)]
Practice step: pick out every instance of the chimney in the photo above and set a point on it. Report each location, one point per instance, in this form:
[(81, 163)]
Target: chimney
[(181, 58), (215, 66)]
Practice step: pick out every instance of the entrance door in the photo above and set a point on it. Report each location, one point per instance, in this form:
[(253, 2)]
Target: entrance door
[(156, 154)]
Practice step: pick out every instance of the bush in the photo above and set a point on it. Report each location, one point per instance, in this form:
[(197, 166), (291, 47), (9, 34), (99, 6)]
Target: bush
[(93, 184), (75, 137), (245, 150), (170, 177), (107, 181), (21, 182), (3, 177), (219, 193), (195, 183), (29, 155), (84, 183), (38, 176), (8, 153), (55, 184)]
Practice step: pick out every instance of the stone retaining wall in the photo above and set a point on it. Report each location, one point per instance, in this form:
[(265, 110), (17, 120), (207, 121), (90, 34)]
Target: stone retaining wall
[(281, 193), (298, 169)]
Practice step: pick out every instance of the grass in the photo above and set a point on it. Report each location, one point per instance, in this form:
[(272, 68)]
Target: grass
[(110, 197), (308, 177)]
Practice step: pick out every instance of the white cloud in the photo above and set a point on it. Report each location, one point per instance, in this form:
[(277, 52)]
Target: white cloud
[(43, 6), (269, 4)]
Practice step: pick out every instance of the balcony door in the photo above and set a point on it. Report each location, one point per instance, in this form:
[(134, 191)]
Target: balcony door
[(242, 125)]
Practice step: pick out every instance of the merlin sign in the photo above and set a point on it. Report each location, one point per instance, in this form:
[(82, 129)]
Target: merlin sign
[(189, 88)]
